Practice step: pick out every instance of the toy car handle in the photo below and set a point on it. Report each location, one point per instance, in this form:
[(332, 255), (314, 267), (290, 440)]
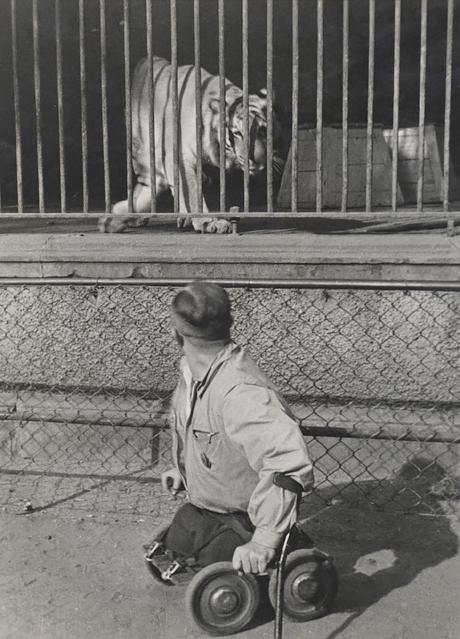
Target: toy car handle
[(288, 483), (279, 587)]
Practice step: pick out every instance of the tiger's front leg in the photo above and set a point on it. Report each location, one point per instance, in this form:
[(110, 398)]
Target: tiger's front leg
[(188, 201)]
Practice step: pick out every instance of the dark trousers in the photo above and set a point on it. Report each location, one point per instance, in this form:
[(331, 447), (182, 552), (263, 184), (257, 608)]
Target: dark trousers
[(204, 536)]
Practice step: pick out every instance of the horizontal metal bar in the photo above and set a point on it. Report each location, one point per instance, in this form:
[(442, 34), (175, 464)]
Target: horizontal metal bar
[(54, 418), (344, 433), (406, 285), (48, 473), (373, 216)]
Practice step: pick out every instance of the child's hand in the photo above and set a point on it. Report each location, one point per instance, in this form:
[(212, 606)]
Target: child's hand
[(171, 481)]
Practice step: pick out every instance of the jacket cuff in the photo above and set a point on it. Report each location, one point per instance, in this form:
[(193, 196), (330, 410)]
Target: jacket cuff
[(267, 538)]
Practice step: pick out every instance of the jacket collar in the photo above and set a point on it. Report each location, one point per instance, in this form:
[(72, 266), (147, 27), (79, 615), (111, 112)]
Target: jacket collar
[(222, 356)]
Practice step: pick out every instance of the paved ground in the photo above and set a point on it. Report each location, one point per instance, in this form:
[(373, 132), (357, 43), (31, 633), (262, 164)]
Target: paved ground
[(69, 572)]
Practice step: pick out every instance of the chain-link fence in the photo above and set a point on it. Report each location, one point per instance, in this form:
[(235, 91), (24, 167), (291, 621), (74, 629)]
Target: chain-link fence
[(373, 376)]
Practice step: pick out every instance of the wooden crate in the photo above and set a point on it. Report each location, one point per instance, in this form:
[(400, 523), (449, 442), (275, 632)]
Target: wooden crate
[(433, 164), (332, 169)]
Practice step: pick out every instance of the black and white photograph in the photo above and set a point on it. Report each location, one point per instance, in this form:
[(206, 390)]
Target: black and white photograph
[(229, 319)]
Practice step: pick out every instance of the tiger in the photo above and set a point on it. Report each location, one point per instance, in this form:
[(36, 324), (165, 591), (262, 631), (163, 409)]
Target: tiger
[(164, 161)]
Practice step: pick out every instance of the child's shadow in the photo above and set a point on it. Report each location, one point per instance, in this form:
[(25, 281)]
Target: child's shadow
[(377, 552)]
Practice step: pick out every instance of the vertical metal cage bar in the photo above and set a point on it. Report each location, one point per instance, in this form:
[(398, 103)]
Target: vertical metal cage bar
[(319, 104), (422, 99), (295, 106), (83, 105), (60, 103), (222, 104), (17, 113), (105, 130), (198, 124), (246, 103), (370, 107), (128, 119), (448, 104), (396, 84), (345, 69), (269, 106), (38, 114), (175, 104), (151, 88)]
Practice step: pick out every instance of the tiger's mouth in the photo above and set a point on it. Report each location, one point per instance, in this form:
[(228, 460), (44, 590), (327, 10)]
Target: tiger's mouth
[(236, 163), (256, 169)]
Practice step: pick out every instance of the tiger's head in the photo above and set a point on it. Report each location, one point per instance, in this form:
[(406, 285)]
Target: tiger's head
[(235, 142)]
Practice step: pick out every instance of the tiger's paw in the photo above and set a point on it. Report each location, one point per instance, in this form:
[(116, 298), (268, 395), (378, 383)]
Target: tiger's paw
[(114, 224), (218, 226), (137, 222), (109, 224)]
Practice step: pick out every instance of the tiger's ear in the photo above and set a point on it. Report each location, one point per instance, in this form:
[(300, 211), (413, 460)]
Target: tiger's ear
[(215, 106), (263, 94)]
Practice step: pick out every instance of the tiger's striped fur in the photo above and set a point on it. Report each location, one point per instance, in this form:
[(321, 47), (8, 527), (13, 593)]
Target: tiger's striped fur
[(163, 117)]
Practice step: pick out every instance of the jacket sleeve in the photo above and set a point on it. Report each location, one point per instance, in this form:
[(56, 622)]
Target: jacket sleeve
[(177, 416), (260, 425)]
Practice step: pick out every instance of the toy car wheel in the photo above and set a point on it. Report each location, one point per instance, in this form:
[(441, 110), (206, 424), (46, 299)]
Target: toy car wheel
[(310, 585), (221, 601)]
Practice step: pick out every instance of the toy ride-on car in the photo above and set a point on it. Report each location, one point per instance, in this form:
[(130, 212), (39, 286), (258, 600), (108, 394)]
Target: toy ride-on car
[(301, 585)]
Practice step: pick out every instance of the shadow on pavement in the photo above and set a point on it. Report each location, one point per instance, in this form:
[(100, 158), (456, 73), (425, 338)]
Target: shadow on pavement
[(378, 552)]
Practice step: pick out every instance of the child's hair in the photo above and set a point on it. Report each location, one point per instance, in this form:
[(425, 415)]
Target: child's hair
[(202, 310)]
